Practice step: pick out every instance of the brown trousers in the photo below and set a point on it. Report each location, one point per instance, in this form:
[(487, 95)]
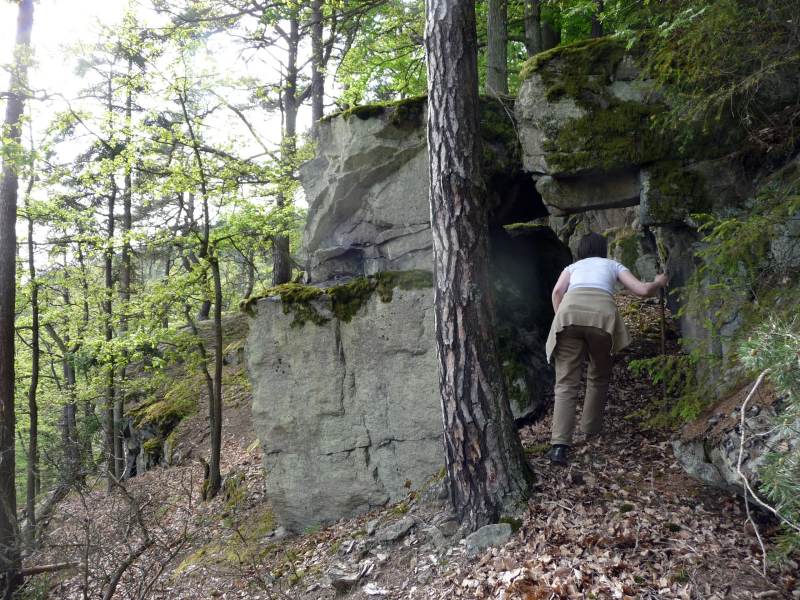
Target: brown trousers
[(573, 344)]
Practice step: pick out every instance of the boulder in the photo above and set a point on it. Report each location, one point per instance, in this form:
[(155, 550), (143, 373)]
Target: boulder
[(582, 108), (709, 447), (347, 412), (488, 535)]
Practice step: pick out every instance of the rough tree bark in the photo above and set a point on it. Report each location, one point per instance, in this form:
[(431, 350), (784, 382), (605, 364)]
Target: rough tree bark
[(9, 188), (485, 463), (533, 27), (497, 47)]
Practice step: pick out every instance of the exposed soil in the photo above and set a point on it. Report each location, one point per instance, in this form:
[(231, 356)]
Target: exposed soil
[(621, 521)]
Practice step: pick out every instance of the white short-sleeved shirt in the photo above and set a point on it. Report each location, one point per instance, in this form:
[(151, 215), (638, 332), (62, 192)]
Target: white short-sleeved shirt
[(594, 272)]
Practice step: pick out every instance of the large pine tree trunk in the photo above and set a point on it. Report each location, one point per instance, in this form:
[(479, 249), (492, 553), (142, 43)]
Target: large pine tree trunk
[(9, 187), (533, 27), (497, 47), (485, 463)]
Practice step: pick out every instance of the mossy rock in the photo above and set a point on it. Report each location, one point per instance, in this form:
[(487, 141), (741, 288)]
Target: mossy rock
[(177, 402), (606, 139), (405, 113), (624, 247), (496, 122), (580, 70), (673, 193), (313, 304), (152, 445)]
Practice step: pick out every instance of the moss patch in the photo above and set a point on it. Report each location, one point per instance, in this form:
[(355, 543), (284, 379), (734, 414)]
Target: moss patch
[(509, 351), (178, 401), (625, 248), (578, 70), (619, 135), (243, 548), (676, 192), (401, 113), (344, 301), (152, 446)]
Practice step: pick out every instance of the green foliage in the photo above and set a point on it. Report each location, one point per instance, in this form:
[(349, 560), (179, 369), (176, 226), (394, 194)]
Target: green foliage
[(169, 404), (775, 345), (739, 260), (686, 391), (386, 60), (727, 67)]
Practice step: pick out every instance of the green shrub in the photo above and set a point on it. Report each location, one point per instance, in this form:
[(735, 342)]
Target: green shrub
[(775, 345)]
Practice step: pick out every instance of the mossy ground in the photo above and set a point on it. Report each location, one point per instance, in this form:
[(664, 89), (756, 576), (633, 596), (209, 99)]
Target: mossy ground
[(242, 548)]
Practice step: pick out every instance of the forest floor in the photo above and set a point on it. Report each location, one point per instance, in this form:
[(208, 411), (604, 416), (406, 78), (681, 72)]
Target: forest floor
[(621, 521)]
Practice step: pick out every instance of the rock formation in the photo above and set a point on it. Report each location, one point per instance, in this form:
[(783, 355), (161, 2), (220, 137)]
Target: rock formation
[(351, 434), (344, 371)]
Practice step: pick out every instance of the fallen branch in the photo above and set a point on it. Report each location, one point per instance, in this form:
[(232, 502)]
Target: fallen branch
[(39, 569)]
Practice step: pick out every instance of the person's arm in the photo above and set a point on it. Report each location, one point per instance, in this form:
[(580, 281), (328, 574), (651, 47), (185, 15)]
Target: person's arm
[(641, 288), (562, 285)]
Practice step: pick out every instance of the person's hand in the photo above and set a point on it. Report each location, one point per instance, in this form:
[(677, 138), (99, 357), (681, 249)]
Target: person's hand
[(662, 280)]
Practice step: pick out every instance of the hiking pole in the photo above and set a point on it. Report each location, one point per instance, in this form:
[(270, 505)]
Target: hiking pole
[(662, 297), (662, 301)]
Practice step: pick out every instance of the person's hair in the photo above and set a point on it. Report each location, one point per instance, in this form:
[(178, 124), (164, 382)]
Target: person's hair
[(592, 244)]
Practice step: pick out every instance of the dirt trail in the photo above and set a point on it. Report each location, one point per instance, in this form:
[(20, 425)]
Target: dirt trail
[(621, 521)]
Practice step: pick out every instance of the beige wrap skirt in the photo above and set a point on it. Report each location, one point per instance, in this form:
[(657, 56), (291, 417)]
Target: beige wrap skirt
[(590, 307)]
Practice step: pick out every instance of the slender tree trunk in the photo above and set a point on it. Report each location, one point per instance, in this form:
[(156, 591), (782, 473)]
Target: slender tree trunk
[(215, 476), (317, 67), (281, 263), (250, 270), (597, 25), (533, 27), (209, 253), (124, 280), (497, 47), (485, 463), (33, 408), (89, 415), (9, 187), (110, 423)]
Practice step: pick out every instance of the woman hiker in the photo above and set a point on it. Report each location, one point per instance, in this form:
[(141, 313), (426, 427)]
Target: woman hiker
[(587, 323)]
